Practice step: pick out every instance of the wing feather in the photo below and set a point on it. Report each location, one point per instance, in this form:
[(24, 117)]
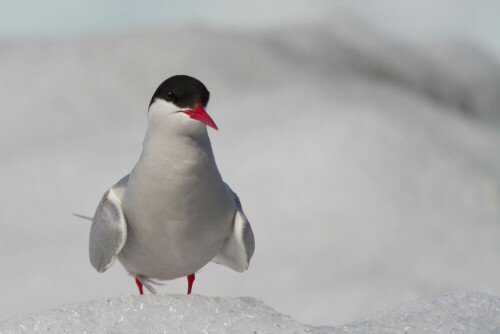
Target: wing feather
[(109, 228), (240, 245)]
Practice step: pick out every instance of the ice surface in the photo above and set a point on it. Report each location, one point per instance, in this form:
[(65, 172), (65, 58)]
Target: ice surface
[(366, 187), (471, 312), (456, 313), (159, 314)]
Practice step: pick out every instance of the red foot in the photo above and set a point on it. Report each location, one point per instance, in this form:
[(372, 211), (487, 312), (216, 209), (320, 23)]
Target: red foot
[(190, 283), (139, 285)]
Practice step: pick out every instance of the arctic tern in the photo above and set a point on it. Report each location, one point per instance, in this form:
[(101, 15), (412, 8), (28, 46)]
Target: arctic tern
[(173, 213)]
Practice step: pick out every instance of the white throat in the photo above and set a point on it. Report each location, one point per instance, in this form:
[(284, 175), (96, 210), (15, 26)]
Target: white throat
[(165, 119), (174, 134)]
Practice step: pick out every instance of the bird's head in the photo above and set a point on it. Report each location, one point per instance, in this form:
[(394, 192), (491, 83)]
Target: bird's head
[(181, 101)]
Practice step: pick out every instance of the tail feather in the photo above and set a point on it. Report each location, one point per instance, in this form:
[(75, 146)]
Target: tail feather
[(82, 216), (148, 283)]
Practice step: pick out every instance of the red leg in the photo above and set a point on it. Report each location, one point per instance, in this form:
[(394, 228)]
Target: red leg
[(190, 283), (139, 285)]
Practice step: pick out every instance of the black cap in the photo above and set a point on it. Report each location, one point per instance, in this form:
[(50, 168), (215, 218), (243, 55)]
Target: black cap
[(183, 91)]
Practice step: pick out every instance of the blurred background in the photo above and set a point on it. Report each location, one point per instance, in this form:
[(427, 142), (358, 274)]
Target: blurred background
[(362, 137)]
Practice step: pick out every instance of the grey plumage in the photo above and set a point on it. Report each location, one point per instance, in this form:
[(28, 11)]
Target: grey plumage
[(108, 232)]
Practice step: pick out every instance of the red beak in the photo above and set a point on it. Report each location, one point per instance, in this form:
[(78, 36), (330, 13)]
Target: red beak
[(201, 115)]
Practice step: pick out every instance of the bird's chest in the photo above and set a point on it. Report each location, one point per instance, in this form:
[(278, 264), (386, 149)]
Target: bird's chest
[(177, 202)]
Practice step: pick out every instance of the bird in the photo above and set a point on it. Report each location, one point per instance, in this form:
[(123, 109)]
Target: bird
[(173, 213)]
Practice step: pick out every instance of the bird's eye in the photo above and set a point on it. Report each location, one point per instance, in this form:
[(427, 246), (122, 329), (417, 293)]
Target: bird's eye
[(170, 96)]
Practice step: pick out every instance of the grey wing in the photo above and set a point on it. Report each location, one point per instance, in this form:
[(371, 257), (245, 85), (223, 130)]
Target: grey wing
[(239, 246), (109, 228)]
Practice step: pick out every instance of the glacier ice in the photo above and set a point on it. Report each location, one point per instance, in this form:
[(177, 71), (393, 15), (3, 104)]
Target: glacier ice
[(159, 314), (471, 312)]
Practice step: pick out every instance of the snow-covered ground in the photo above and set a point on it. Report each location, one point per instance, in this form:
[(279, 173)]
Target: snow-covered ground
[(369, 169), (470, 312)]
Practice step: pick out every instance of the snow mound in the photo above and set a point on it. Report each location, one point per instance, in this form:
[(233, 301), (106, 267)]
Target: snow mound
[(471, 312), (468, 312), (159, 314)]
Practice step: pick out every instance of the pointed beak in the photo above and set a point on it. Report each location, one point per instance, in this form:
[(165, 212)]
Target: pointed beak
[(201, 115)]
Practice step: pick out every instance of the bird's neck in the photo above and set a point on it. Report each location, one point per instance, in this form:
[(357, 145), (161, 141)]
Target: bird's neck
[(166, 141)]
